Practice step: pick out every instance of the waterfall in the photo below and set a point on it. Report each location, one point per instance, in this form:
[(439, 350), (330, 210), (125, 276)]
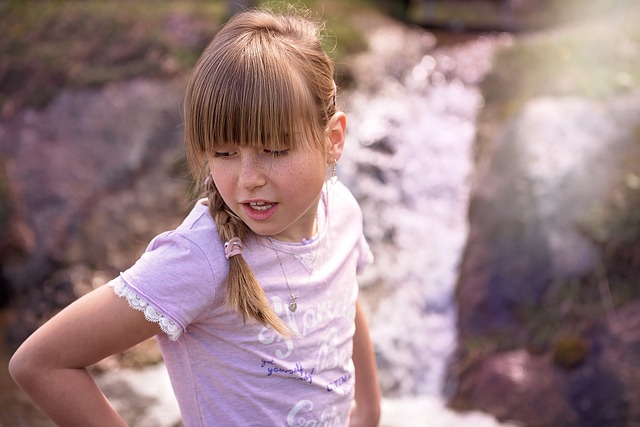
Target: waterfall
[(408, 159)]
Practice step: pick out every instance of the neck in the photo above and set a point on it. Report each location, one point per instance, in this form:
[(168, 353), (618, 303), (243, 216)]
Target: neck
[(305, 228)]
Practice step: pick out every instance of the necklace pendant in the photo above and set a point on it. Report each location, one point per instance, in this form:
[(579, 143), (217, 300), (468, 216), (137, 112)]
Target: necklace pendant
[(293, 305)]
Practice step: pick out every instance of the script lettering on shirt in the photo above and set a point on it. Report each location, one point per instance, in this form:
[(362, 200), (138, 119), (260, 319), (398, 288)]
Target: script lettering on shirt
[(323, 313), (313, 318), (330, 354), (268, 336), (341, 384), (266, 362), (299, 416), (298, 372)]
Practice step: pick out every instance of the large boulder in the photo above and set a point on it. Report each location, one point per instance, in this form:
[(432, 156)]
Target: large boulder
[(538, 214), (555, 164), (516, 385), (603, 390), (93, 172)]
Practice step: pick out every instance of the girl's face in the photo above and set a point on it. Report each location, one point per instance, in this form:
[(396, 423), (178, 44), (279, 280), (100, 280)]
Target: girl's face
[(276, 193)]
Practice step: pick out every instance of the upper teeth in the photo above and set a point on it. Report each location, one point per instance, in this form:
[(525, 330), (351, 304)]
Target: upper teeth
[(261, 206)]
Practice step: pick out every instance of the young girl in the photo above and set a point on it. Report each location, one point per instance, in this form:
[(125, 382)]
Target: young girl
[(254, 297)]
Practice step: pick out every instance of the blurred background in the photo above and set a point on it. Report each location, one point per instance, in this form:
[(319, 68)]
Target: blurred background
[(494, 146)]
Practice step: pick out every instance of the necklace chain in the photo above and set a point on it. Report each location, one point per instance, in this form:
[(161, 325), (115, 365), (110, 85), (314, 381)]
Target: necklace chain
[(293, 305)]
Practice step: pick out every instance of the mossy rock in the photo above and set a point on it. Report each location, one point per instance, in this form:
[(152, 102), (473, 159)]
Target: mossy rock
[(571, 351)]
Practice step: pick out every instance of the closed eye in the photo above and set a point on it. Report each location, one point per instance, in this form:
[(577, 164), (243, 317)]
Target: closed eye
[(222, 154), (277, 153)]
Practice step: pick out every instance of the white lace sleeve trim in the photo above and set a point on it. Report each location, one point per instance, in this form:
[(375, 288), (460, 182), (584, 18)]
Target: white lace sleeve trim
[(168, 327)]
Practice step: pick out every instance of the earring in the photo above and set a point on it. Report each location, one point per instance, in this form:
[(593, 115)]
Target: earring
[(334, 177)]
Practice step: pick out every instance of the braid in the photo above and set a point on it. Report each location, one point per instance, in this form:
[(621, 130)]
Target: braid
[(244, 293), (263, 79)]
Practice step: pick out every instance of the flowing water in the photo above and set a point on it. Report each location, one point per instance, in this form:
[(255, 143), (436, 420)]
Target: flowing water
[(408, 160)]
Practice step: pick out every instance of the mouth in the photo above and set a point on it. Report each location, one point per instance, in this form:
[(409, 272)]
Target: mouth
[(260, 206), (260, 210)]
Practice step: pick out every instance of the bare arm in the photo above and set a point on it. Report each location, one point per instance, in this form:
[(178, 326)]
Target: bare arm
[(368, 395), (50, 364)]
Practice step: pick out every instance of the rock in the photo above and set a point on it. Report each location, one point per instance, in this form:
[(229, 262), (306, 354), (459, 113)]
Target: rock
[(603, 390), (98, 171), (606, 389), (517, 386), (555, 164), (16, 237)]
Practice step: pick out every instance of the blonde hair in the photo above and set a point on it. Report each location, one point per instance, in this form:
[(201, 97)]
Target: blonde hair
[(264, 81)]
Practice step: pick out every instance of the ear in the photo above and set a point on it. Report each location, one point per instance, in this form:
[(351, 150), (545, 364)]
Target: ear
[(336, 136)]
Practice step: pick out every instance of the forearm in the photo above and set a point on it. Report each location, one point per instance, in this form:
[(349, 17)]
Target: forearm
[(69, 397), (367, 389), (50, 366)]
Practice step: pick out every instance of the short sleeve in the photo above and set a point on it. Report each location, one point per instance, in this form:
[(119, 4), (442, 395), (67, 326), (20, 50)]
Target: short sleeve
[(350, 223), (173, 283), (366, 256)]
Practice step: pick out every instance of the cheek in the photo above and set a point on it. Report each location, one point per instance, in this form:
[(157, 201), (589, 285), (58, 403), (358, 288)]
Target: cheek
[(306, 172), (223, 181), (312, 177)]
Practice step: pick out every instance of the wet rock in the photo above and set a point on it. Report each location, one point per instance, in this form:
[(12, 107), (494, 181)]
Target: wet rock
[(517, 386), (537, 391), (606, 389), (531, 228), (97, 171), (554, 165), (16, 237)]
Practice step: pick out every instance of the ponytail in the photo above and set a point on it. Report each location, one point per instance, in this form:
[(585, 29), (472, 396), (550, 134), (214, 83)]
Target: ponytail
[(244, 293)]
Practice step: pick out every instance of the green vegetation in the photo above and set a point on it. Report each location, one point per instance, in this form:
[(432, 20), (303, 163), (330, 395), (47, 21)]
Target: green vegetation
[(483, 15), (49, 45), (592, 57)]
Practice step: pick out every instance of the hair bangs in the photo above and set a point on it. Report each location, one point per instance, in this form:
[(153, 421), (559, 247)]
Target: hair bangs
[(265, 82), (260, 101)]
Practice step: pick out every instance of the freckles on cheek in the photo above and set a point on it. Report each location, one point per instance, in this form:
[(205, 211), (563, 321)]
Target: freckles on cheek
[(223, 181), (285, 170)]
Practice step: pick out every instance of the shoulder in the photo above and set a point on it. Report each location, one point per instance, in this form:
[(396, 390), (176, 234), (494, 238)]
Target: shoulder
[(344, 219), (343, 201), (195, 243), (199, 226), (346, 223), (342, 210), (181, 271)]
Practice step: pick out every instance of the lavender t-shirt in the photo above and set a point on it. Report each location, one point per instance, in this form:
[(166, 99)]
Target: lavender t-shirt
[(226, 373)]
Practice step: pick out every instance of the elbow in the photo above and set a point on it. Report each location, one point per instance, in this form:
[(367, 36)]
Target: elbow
[(21, 369), (17, 369)]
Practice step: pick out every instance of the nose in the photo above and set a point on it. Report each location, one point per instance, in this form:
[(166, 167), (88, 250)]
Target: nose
[(252, 173)]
